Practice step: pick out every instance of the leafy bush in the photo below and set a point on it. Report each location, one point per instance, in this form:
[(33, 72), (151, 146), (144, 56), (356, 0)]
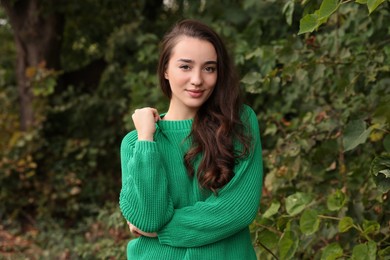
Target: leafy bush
[(325, 118), (322, 103)]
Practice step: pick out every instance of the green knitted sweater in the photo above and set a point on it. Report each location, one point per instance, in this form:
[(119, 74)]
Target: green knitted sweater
[(191, 223)]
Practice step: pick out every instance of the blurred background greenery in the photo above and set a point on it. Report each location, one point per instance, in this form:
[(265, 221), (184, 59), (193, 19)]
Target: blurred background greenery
[(316, 73)]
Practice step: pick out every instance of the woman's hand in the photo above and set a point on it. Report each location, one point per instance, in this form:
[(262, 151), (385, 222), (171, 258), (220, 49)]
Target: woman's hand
[(144, 121), (137, 233)]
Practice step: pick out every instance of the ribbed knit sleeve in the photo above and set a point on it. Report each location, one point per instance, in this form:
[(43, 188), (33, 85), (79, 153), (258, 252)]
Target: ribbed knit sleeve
[(225, 214), (144, 198)]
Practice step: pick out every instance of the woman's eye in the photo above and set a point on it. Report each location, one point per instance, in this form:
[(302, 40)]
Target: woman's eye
[(185, 67), (210, 69)]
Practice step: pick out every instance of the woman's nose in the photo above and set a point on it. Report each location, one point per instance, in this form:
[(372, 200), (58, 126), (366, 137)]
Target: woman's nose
[(196, 78)]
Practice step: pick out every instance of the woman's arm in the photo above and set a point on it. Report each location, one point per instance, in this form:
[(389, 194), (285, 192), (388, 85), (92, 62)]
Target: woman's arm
[(221, 216), (144, 198)]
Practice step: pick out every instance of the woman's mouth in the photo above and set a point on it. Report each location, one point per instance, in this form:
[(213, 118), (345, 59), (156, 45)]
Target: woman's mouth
[(195, 93)]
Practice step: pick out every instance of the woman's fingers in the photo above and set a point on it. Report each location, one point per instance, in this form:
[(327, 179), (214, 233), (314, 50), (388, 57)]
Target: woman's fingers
[(137, 233), (156, 115), (133, 230), (144, 121)]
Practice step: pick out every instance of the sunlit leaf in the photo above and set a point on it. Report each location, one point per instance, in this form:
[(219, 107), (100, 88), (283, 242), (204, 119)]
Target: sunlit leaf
[(385, 172), (332, 252), (327, 8), (370, 226), (309, 222), (272, 210), (288, 245), (308, 23), (311, 22), (365, 251), (345, 224), (373, 4), (336, 200), (297, 202)]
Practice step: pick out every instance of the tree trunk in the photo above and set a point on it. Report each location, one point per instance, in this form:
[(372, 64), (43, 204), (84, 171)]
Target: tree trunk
[(37, 35)]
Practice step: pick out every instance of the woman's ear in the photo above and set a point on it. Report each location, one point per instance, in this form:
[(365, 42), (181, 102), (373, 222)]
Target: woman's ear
[(166, 75)]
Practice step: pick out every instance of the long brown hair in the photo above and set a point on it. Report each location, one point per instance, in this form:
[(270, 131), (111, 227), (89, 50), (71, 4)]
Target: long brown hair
[(217, 125)]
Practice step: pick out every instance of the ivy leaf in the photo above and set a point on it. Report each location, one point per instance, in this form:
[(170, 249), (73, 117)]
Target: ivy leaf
[(386, 143), (272, 210), (308, 23), (297, 202), (288, 10), (373, 4), (345, 224), (271, 129), (381, 162), (370, 226), (327, 8), (332, 252), (386, 172), (309, 222), (355, 133), (366, 251), (282, 223), (336, 200), (380, 170), (288, 245), (268, 238), (384, 252), (311, 22), (251, 78)]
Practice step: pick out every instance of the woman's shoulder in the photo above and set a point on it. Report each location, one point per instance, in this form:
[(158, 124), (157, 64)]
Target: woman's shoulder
[(250, 121), (129, 139), (247, 113)]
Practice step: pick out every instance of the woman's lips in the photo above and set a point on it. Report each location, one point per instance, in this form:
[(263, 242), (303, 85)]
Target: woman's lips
[(195, 93)]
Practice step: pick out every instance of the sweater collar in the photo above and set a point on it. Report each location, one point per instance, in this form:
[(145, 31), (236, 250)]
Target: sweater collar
[(174, 124)]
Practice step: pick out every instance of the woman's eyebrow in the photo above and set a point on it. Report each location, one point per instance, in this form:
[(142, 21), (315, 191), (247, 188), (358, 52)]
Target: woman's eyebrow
[(185, 60), (191, 61)]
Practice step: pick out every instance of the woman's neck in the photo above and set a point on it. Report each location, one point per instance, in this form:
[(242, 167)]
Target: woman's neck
[(176, 115), (179, 114)]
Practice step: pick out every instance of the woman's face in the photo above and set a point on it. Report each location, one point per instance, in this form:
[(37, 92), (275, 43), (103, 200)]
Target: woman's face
[(192, 74)]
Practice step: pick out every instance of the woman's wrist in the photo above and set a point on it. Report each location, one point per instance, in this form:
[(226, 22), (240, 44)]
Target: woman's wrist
[(145, 138)]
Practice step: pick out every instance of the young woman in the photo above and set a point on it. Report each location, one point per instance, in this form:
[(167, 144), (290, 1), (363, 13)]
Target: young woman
[(192, 177)]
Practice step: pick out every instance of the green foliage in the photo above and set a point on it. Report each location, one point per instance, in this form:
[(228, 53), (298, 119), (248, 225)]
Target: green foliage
[(288, 245), (297, 202), (321, 99), (321, 105), (336, 200), (345, 224), (364, 251), (331, 252), (309, 222), (355, 133), (311, 22), (380, 169)]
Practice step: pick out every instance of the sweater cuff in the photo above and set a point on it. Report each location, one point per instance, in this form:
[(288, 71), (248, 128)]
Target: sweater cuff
[(145, 146), (164, 237)]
